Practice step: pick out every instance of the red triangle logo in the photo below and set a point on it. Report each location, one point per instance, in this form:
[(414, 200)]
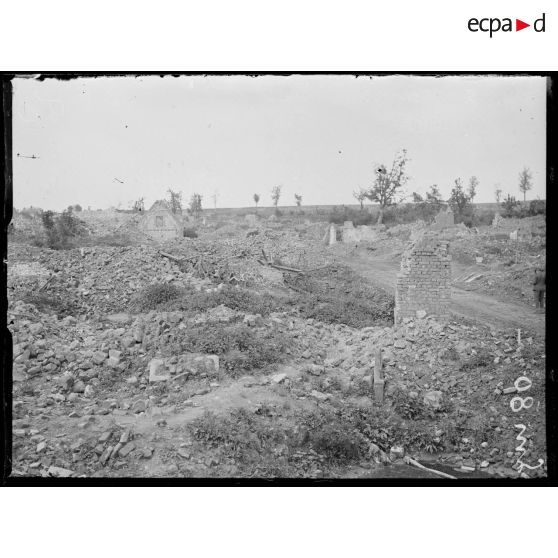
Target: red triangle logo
[(519, 25)]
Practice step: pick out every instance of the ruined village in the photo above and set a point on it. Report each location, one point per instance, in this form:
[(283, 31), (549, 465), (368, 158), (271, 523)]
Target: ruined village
[(266, 277), (265, 342)]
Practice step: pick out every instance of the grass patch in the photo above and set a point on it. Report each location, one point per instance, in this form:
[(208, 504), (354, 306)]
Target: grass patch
[(155, 296), (339, 296), (160, 297), (50, 303), (414, 408), (238, 346), (285, 443)]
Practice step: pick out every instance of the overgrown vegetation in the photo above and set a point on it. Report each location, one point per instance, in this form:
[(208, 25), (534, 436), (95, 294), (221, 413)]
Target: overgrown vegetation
[(387, 184), (461, 201), (195, 207), (60, 229), (51, 303), (238, 346), (412, 407), (154, 296), (265, 443), (190, 300), (339, 215), (338, 295)]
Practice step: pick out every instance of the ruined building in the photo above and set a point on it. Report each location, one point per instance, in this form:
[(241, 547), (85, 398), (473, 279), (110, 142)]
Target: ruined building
[(160, 223), (424, 282), (444, 219)]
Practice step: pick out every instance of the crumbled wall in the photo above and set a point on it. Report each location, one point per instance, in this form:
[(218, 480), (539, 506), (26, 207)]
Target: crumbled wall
[(497, 221), (443, 220), (424, 282)]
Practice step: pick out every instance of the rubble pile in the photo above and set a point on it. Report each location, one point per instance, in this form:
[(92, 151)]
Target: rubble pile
[(103, 280), (237, 259), (81, 370), (99, 391)]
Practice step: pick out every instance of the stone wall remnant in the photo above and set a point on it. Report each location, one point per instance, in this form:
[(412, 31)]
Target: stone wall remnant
[(424, 282), (497, 221), (443, 220), (332, 234)]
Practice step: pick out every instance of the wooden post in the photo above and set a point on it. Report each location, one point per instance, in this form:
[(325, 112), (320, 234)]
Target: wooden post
[(379, 378)]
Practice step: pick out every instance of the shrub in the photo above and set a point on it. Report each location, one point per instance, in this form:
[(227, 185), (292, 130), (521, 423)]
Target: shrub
[(337, 442), (484, 218), (61, 306), (481, 360), (413, 408), (233, 297), (339, 215), (510, 206), (537, 207), (238, 346), (153, 296), (60, 229)]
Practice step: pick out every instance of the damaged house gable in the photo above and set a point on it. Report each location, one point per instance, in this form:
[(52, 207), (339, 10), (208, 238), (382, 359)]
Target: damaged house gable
[(160, 223)]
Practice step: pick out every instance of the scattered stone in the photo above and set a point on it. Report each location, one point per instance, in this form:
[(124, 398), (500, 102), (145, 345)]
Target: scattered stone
[(66, 381), (124, 451), (158, 371), (319, 395), (396, 452), (433, 399), (60, 472), (78, 387), (105, 436), (99, 357), (278, 378), (139, 406)]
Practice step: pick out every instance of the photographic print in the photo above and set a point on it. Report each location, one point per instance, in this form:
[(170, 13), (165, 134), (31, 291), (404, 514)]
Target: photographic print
[(273, 276)]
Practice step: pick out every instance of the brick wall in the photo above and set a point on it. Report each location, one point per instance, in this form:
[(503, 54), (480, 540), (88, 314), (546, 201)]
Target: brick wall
[(424, 282)]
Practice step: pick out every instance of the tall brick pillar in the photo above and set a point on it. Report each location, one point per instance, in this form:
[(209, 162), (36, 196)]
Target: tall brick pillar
[(424, 282)]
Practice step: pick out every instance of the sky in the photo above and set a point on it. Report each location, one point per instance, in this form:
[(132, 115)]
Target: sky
[(104, 142)]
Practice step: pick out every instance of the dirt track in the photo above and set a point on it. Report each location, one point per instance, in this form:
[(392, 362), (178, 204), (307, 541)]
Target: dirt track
[(383, 272)]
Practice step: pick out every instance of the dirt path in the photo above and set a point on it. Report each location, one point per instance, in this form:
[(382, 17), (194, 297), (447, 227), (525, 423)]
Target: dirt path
[(383, 272)]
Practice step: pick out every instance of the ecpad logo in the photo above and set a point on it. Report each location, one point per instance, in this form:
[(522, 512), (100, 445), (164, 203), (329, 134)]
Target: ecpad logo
[(493, 25)]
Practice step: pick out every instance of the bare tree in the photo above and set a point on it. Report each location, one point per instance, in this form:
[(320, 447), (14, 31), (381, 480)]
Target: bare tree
[(298, 199), (525, 184), (388, 183), (360, 196), (275, 195), (175, 201)]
